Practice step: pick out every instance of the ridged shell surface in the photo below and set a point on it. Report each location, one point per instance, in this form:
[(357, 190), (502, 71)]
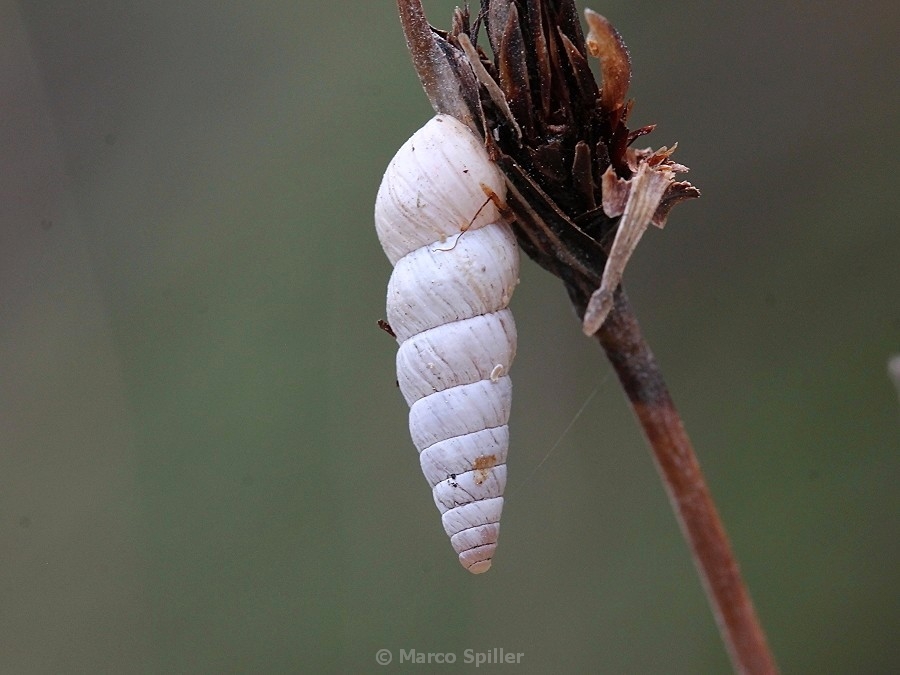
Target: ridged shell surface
[(456, 264)]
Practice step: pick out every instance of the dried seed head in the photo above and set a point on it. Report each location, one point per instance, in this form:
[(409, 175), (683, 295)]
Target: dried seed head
[(581, 196)]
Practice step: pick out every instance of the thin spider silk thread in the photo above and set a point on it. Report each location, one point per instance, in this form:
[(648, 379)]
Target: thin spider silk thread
[(559, 440)]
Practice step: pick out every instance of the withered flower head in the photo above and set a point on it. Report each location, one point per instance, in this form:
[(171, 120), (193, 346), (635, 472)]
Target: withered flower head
[(581, 196)]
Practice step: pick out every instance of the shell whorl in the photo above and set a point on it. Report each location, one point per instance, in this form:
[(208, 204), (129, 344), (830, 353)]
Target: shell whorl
[(456, 265)]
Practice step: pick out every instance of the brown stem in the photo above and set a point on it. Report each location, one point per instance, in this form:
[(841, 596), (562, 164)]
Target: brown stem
[(643, 383)]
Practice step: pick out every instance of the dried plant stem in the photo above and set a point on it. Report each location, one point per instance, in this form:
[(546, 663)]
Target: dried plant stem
[(516, 104), (643, 383)]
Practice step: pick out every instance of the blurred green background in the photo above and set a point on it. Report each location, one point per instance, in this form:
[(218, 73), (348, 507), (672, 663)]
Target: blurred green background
[(204, 461)]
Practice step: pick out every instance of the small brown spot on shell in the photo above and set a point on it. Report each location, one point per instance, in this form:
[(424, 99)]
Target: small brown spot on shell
[(482, 467)]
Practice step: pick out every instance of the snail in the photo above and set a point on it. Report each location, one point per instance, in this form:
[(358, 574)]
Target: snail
[(439, 218)]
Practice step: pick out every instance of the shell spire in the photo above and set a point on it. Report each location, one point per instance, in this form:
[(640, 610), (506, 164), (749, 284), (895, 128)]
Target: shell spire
[(456, 264)]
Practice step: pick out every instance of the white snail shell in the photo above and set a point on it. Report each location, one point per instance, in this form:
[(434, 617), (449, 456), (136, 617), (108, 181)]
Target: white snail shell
[(456, 264)]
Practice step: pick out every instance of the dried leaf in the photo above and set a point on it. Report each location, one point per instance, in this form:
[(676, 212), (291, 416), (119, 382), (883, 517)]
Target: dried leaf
[(567, 20), (675, 194), (489, 83), (615, 193), (584, 78), (605, 43), (541, 56), (514, 71), (449, 83), (496, 18), (645, 192)]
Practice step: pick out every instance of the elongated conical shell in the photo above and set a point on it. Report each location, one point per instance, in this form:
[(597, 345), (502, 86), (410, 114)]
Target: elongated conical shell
[(456, 264)]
